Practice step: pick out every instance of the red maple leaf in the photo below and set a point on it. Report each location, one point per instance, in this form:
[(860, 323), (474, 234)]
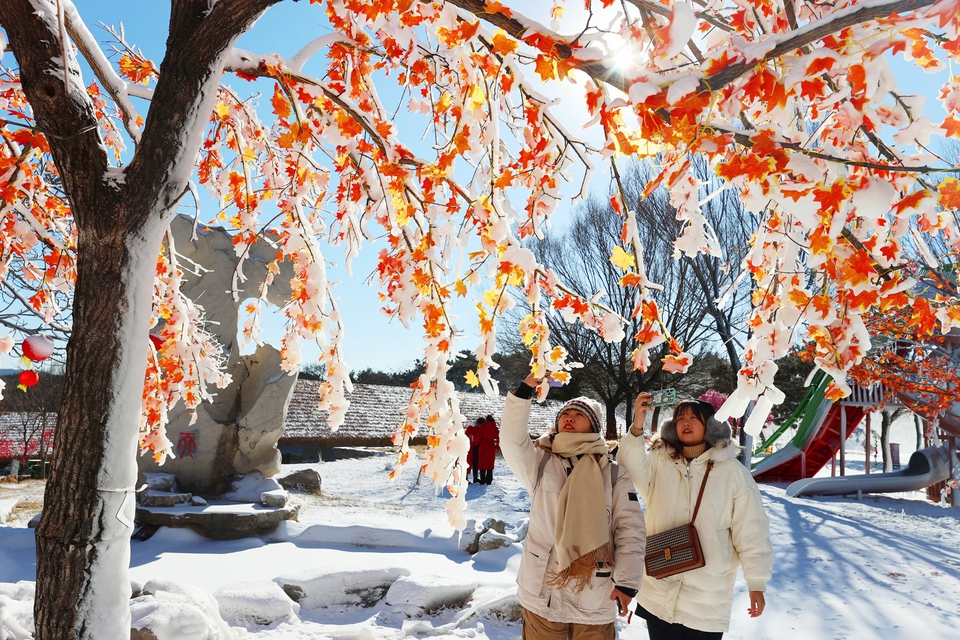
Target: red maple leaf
[(910, 201), (831, 199)]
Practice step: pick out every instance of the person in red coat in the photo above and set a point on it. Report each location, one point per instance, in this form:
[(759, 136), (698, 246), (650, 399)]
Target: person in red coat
[(487, 449), (473, 433)]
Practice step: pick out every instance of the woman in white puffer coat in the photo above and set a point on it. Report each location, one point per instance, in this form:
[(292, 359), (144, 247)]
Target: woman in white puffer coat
[(731, 524)]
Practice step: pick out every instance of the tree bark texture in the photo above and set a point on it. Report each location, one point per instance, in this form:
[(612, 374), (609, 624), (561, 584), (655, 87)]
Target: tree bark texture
[(83, 542)]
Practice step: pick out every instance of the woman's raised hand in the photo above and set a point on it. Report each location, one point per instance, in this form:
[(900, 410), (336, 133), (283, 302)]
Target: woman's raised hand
[(640, 407)]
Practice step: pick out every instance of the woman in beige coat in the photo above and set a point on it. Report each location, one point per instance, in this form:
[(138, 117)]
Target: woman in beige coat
[(731, 523), (583, 552)]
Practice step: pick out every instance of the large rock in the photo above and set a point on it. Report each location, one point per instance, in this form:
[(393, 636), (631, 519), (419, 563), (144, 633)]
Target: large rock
[(168, 609), (253, 604), (220, 521), (483, 537), (315, 588), (306, 480), (415, 595), (162, 498), (159, 481), (492, 540)]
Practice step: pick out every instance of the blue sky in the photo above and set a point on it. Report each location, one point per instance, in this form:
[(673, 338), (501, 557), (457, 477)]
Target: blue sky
[(372, 339)]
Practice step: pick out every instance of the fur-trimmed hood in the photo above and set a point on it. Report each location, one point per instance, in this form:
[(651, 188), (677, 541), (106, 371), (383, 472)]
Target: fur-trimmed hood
[(720, 443)]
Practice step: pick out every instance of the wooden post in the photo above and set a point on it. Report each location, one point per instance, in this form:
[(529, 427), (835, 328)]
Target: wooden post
[(867, 445), (843, 439)]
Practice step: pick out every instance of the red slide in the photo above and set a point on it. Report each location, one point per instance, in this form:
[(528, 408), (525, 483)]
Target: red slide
[(805, 456)]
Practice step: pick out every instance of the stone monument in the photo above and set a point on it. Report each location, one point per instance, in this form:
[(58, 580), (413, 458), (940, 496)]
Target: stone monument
[(237, 433)]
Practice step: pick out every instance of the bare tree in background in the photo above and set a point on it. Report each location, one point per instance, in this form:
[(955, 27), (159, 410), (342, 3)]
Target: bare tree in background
[(887, 417), (724, 300), (33, 413), (581, 257)]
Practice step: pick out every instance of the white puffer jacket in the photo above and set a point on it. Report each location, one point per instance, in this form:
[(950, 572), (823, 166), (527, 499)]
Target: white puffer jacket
[(731, 524), (592, 605)]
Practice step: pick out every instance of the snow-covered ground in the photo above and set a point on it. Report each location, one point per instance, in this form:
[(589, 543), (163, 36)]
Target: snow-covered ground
[(884, 567)]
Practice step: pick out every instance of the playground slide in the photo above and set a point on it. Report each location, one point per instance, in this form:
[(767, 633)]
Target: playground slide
[(926, 467), (950, 422), (817, 440)]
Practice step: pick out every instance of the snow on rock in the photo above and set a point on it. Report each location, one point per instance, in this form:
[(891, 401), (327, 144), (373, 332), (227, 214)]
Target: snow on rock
[(16, 610), (152, 498), (317, 588), (251, 487), (175, 611), (520, 530), (6, 507), (489, 535), (415, 595), (306, 480), (275, 498), (504, 606), (159, 481), (434, 540), (256, 604), (492, 540)]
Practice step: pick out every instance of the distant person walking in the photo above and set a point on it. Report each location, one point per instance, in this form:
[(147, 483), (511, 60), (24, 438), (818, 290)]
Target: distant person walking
[(473, 434), (489, 444)]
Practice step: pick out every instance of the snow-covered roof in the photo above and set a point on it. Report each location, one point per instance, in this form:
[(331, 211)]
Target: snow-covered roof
[(375, 413), (377, 410), (12, 423)]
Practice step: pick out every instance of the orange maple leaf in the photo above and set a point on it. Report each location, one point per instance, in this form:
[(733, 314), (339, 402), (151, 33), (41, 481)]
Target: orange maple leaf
[(858, 268), (831, 199), (280, 105), (820, 242), (910, 201), (751, 165), (924, 318), (948, 193), (136, 68), (545, 67), (502, 43), (495, 7), (798, 297), (504, 180), (951, 126)]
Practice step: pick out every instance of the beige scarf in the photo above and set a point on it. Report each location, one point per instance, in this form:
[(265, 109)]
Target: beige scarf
[(582, 532)]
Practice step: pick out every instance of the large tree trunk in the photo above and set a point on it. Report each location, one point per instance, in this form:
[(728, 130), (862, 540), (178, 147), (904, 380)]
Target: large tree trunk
[(83, 542)]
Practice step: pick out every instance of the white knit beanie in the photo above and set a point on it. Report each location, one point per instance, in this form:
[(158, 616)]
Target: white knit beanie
[(588, 407)]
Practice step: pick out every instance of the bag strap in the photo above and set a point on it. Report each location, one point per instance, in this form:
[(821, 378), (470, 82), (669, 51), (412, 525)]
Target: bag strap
[(700, 495), (543, 463)]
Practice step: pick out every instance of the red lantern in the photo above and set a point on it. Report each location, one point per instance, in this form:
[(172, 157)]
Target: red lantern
[(28, 378), (156, 340), (37, 348)]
